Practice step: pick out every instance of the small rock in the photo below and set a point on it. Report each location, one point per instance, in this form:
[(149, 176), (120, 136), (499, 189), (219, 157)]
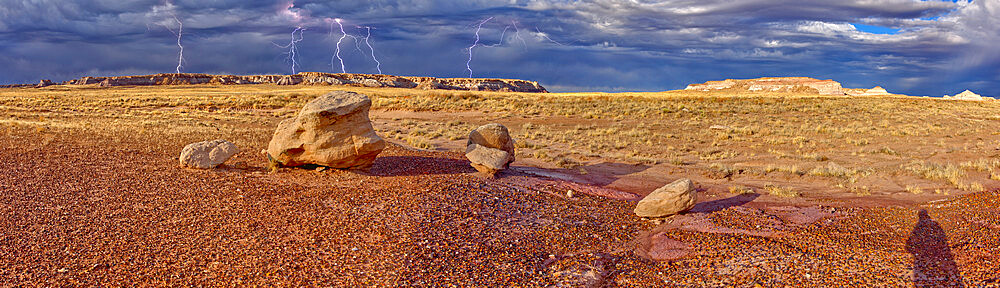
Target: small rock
[(207, 154), (569, 194), (674, 198)]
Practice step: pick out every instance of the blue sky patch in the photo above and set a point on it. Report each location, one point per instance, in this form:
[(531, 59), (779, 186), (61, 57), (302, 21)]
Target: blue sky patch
[(875, 29)]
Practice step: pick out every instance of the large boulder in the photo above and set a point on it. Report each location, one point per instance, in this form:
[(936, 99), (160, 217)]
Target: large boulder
[(490, 148), (207, 154), (674, 198), (332, 130)]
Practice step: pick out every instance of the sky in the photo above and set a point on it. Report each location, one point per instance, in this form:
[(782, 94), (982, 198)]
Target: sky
[(907, 46)]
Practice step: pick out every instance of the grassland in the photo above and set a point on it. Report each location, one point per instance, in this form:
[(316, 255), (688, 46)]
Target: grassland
[(784, 144)]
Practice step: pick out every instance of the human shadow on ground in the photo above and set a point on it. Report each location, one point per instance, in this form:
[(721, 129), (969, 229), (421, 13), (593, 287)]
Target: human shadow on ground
[(418, 165), (722, 204), (933, 263)]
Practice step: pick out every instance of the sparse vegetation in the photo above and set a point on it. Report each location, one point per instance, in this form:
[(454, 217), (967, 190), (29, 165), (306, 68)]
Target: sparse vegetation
[(775, 136), (780, 191), (740, 189), (418, 142), (932, 171)]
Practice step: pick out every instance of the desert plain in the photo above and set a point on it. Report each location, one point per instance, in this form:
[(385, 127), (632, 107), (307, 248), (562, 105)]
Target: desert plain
[(794, 190)]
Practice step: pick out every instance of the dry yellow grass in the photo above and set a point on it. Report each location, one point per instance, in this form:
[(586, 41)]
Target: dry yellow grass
[(766, 136), (781, 191)]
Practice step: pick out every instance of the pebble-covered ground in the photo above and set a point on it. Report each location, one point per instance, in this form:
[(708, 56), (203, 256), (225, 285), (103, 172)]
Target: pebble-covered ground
[(84, 210)]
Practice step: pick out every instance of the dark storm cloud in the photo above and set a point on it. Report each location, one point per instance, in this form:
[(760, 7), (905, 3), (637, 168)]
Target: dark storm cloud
[(606, 45)]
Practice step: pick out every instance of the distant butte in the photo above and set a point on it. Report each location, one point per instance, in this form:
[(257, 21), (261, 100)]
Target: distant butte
[(773, 84), (316, 78)]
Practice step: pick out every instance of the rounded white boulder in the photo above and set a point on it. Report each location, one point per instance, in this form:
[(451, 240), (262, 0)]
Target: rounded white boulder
[(207, 154)]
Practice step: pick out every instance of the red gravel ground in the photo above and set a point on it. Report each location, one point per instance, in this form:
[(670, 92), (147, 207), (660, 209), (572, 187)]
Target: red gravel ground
[(82, 210)]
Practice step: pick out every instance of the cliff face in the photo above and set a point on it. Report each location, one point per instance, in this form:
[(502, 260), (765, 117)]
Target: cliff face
[(315, 78), (774, 84)]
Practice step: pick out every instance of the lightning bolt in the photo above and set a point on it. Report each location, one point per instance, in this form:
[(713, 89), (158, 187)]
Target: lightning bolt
[(502, 35), (179, 33), (180, 54), (378, 65), (546, 37), (343, 69), (292, 50), (468, 65), (517, 35)]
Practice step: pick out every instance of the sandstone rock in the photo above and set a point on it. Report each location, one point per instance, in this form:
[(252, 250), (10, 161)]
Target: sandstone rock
[(490, 148), (289, 80), (85, 81), (431, 85), (44, 82), (494, 136), (671, 199), (487, 160), (333, 130), (207, 154), (372, 83)]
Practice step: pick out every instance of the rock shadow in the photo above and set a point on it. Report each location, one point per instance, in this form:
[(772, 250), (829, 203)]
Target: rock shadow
[(722, 204), (933, 263), (418, 165), (603, 174)]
